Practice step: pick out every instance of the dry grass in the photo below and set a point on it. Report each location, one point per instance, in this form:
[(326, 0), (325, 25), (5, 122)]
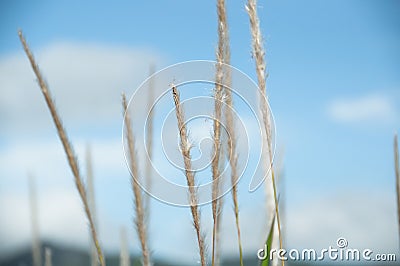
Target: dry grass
[(141, 205), (216, 204), (139, 221), (91, 201), (397, 172), (124, 259), (185, 149), (218, 97), (47, 257), (72, 160), (259, 54), (36, 247), (149, 143), (224, 51)]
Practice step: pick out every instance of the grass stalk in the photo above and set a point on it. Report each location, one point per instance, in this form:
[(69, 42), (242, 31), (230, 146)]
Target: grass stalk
[(91, 201), (224, 45), (124, 259), (36, 247), (149, 142), (72, 160), (140, 216), (397, 172), (185, 150), (47, 257), (218, 94), (259, 55), (216, 207)]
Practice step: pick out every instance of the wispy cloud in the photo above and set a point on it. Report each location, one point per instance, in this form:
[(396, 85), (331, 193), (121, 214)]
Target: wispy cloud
[(372, 108), (86, 81), (367, 219), (17, 231)]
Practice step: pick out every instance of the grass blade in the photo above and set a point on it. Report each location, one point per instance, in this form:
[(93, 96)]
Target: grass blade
[(268, 244)]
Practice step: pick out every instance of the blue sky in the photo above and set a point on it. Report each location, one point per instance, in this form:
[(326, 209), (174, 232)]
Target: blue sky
[(334, 86)]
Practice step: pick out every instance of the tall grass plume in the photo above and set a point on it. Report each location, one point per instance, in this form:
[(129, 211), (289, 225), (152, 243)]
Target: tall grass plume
[(138, 202), (260, 65), (72, 160), (218, 98), (224, 55), (185, 150), (149, 141)]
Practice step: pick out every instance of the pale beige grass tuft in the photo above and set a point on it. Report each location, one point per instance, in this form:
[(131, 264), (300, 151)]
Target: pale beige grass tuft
[(185, 150), (139, 221), (224, 51), (259, 54), (149, 142), (72, 160), (218, 97)]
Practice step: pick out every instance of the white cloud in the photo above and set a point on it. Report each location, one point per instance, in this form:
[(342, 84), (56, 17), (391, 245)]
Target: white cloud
[(60, 218), (86, 81), (367, 219), (47, 160), (370, 108)]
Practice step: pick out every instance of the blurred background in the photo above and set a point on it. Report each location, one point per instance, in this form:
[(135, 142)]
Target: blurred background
[(334, 88)]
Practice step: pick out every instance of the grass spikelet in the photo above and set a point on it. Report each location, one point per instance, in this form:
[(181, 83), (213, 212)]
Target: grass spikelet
[(185, 149), (139, 221), (218, 94), (72, 160), (224, 50), (259, 54)]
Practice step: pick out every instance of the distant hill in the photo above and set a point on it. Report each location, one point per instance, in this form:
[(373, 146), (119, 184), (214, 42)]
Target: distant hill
[(68, 256)]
